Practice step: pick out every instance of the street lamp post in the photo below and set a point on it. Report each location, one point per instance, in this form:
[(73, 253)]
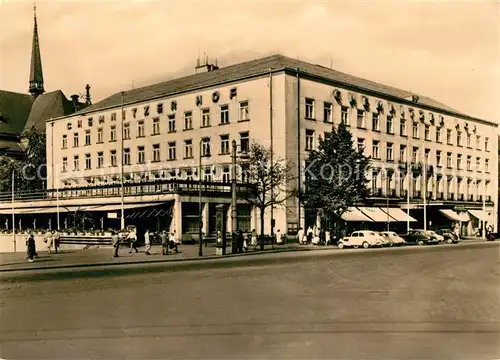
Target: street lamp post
[(122, 220), (200, 205), (484, 209), (234, 213), (387, 189)]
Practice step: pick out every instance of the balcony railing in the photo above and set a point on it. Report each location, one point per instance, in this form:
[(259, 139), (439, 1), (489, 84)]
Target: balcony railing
[(154, 187)]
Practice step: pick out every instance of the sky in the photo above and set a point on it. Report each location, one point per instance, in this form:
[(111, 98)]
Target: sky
[(449, 51)]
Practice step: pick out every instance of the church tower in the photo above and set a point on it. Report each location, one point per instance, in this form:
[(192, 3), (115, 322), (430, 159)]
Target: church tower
[(36, 74)]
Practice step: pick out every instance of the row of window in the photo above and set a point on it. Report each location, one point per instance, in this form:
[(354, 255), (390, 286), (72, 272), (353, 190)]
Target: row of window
[(156, 152), (389, 125), (205, 121)]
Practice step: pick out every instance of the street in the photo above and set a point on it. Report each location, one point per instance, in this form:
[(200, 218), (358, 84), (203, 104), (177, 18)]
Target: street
[(438, 302)]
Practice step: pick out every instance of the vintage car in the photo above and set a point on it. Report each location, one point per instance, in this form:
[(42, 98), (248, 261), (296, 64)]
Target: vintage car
[(419, 237), (364, 238), (394, 238)]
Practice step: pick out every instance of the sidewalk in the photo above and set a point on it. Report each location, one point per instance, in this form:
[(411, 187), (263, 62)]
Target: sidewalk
[(104, 256)]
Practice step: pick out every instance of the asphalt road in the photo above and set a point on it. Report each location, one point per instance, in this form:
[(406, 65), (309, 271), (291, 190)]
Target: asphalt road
[(429, 304)]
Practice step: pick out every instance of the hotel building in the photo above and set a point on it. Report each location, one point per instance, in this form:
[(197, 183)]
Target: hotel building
[(159, 131)]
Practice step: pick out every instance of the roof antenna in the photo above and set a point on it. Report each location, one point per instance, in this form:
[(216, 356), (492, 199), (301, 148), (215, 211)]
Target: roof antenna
[(198, 54)]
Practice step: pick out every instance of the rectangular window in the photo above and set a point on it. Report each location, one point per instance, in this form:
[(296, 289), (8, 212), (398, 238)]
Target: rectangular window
[(112, 154), (88, 162), (468, 140), (76, 163), (389, 152), (361, 144), (224, 144), (309, 139), (486, 144), (415, 129), (156, 152), (414, 155), (402, 127), (75, 140), (188, 149), (205, 147), (87, 137), (90, 122), (244, 142), (65, 141), (171, 124), (449, 160), (459, 161), (64, 164), (225, 174), (100, 159), (126, 157), (310, 111), (459, 138), (205, 117), (478, 164), (112, 133), (113, 117), (101, 119), (156, 125), (140, 129), (469, 163), (146, 110), (141, 156), (188, 120), (438, 134), (389, 127), (478, 142), (438, 158), (449, 134), (344, 115), (375, 149), (427, 131), (224, 114), (159, 108), (244, 114), (327, 112), (126, 131), (402, 153), (207, 174), (375, 122), (361, 119), (487, 165), (100, 135)]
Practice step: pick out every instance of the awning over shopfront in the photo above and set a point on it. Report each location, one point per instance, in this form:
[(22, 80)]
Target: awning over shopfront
[(480, 214), (376, 214), (118, 207), (354, 214), (452, 215), (47, 210), (399, 215)]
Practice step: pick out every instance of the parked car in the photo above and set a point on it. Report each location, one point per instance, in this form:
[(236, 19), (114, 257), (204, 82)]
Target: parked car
[(363, 238), (394, 238), (419, 237), (440, 238), (449, 236), (492, 236)]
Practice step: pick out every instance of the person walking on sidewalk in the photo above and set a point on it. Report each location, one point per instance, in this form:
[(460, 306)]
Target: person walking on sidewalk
[(57, 240), (147, 242), (115, 240), (49, 240), (253, 239), (164, 242), (173, 242), (133, 241), (30, 245)]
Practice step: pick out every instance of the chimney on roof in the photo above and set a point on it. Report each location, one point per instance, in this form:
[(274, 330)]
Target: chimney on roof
[(74, 100), (205, 66), (88, 102)]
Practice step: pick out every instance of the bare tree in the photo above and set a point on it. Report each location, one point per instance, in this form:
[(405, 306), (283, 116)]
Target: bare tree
[(269, 180)]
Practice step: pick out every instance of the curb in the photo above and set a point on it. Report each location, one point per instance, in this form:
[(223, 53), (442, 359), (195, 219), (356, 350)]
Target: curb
[(99, 271), (165, 261)]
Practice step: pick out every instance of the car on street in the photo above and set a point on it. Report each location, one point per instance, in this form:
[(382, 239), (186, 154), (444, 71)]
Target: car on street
[(364, 238), (394, 238), (449, 236), (440, 238), (419, 237), (492, 236)]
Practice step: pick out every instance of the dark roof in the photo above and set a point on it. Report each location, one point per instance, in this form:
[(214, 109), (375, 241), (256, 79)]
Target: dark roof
[(14, 109), (255, 68), (49, 105)]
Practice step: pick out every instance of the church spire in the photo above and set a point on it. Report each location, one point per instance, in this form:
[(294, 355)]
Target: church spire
[(36, 74)]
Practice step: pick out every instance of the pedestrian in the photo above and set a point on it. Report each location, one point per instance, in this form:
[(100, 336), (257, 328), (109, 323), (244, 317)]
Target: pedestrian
[(30, 246), (300, 236), (147, 242), (309, 235), (49, 241), (245, 242), (57, 241), (115, 240), (253, 238), (164, 242), (173, 242), (322, 237), (279, 238), (133, 241), (240, 240)]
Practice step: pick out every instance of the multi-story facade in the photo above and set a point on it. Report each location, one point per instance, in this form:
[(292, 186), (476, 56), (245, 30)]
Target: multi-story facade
[(285, 104)]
